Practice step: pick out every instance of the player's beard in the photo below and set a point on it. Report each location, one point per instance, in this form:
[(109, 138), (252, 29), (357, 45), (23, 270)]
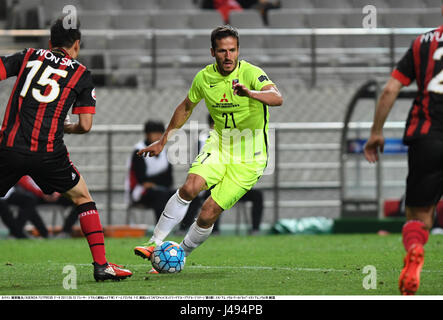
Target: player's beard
[(223, 70)]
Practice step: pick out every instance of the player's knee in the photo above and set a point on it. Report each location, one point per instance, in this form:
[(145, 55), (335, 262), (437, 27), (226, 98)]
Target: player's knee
[(189, 191)]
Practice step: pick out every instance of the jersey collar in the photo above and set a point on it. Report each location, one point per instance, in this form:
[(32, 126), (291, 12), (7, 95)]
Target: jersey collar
[(62, 51), (233, 74)]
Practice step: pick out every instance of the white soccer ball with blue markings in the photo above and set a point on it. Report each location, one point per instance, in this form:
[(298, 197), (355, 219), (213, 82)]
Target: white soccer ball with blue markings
[(168, 257)]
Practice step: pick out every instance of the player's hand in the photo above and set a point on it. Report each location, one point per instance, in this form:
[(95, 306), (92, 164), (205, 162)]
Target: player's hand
[(152, 150), (241, 90), (375, 143)]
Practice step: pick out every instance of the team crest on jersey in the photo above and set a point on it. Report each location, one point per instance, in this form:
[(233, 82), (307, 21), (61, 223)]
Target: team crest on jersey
[(93, 94)]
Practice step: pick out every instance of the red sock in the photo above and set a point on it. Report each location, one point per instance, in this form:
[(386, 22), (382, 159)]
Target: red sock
[(413, 232), (93, 231)]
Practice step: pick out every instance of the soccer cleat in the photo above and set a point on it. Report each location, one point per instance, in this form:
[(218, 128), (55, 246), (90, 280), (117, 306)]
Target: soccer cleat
[(409, 280), (110, 271), (145, 251), (153, 271)]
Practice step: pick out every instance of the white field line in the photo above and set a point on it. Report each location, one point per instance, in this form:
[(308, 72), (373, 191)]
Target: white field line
[(254, 268)]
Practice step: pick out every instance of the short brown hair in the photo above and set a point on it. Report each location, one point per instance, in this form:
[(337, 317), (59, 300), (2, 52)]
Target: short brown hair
[(223, 32)]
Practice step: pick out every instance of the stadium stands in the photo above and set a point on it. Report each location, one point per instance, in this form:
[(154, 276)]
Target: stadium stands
[(308, 158)]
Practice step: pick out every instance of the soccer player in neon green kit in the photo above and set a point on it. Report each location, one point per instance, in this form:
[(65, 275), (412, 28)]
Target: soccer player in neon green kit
[(237, 95)]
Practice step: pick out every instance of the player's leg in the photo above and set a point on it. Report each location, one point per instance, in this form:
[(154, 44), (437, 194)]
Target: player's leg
[(423, 190), (11, 170), (415, 234), (224, 196), (57, 173), (205, 172), (173, 213), (201, 229), (91, 227)]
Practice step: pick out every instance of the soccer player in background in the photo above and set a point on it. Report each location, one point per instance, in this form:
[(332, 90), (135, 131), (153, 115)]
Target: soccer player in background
[(48, 83), (237, 95), (424, 136)]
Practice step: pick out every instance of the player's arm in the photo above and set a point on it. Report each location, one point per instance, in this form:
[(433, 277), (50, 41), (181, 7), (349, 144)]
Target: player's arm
[(178, 119), (10, 65), (83, 125), (382, 110), (84, 106), (268, 95)]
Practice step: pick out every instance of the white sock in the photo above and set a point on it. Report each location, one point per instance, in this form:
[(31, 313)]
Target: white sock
[(195, 237), (174, 212)]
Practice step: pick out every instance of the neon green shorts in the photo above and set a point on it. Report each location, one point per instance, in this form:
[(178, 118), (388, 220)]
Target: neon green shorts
[(229, 181)]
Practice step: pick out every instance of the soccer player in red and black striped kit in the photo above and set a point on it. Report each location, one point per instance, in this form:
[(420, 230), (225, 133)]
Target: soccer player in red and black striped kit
[(424, 136), (48, 83)]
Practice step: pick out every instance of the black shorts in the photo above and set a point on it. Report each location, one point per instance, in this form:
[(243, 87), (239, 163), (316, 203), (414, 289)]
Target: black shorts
[(424, 185), (51, 172)]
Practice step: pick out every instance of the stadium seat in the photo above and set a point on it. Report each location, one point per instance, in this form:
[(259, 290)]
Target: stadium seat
[(169, 20), (176, 4), (327, 20), (170, 49), (433, 3), (360, 4), (54, 8), (198, 43), (299, 4), (126, 43), (431, 20), (139, 5), (250, 18), (355, 20), (280, 44), (286, 19), (205, 19), (95, 20), (128, 52), (130, 21), (100, 5), (327, 4), (93, 43), (400, 20), (404, 4)]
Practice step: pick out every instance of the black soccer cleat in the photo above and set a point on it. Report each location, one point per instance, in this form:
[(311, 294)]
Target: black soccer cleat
[(110, 271)]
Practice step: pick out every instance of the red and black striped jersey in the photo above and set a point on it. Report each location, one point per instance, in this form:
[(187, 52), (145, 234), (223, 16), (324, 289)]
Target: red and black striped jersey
[(48, 84), (423, 63)]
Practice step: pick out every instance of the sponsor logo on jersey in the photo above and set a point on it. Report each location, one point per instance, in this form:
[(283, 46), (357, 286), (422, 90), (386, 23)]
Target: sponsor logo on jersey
[(262, 78), (224, 98)]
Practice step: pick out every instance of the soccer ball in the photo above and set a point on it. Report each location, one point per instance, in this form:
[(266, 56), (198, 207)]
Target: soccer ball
[(169, 257)]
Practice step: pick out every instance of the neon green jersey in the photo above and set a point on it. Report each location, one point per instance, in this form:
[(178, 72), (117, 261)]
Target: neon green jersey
[(240, 123)]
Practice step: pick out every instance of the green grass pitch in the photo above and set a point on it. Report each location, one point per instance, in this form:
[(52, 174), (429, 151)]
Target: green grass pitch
[(283, 265)]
